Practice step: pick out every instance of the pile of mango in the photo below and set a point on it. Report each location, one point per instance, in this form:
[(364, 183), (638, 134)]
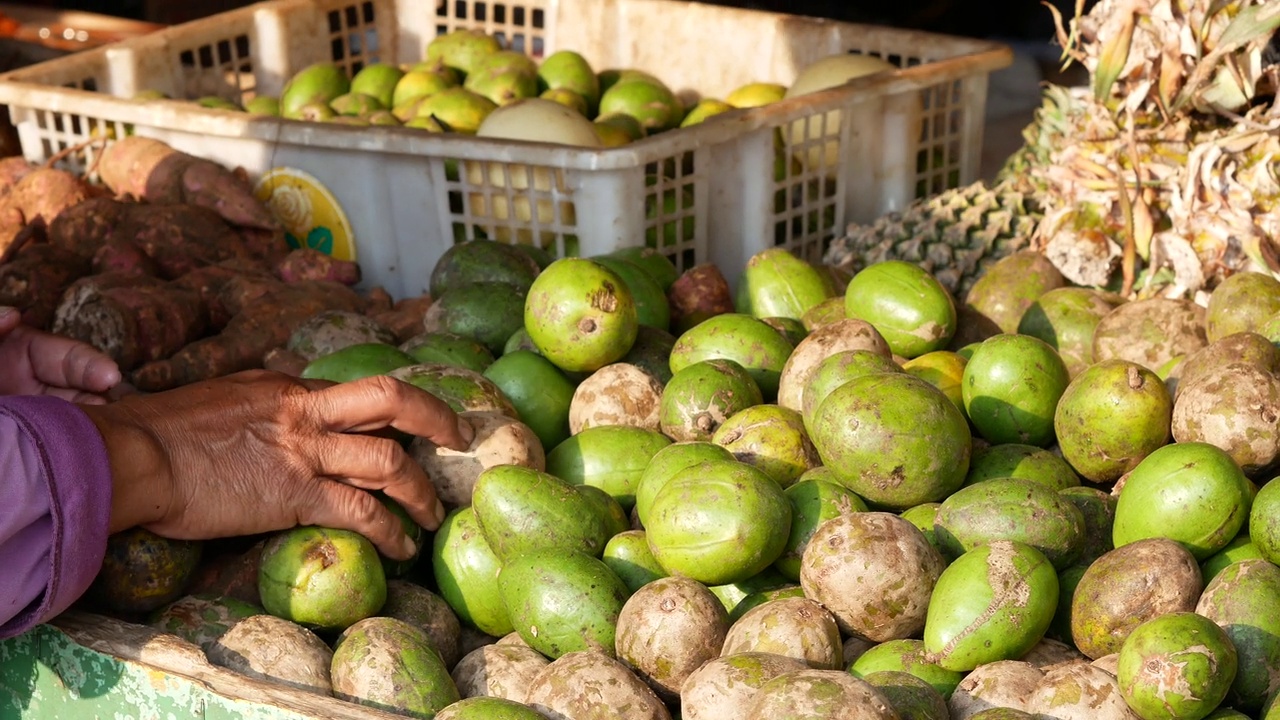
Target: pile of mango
[(814, 496)]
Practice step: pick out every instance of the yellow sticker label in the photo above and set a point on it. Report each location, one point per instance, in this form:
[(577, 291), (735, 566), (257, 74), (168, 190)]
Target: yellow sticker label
[(311, 216)]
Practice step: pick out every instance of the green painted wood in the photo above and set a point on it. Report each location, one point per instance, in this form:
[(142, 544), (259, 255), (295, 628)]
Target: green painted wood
[(46, 674)]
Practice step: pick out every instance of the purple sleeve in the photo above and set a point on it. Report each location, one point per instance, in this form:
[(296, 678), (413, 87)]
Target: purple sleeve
[(55, 505)]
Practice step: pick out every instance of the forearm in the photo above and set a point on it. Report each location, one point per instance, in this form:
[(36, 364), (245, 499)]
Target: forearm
[(54, 519)]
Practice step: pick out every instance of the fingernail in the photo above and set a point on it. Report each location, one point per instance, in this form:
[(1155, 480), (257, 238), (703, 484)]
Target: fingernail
[(439, 513), (467, 432), (409, 546)]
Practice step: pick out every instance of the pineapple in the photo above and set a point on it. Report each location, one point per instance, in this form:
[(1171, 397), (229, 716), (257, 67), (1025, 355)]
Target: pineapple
[(1159, 178)]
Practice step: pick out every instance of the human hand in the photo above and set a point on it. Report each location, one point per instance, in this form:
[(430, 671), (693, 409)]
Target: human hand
[(260, 451), (38, 363)]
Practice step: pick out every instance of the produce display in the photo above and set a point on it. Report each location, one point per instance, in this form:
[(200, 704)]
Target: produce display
[(919, 486)]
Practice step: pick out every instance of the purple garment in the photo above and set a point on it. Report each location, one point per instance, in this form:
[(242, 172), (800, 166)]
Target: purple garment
[(55, 506)]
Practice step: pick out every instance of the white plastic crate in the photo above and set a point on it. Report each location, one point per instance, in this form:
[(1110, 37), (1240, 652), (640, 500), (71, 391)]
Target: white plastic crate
[(706, 193)]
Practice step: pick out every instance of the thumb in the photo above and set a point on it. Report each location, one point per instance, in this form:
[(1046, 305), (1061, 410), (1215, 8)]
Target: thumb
[(347, 508), (9, 319)]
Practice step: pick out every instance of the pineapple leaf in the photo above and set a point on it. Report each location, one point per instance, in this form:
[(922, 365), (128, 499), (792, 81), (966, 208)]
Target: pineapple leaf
[(1252, 25), (1112, 59)]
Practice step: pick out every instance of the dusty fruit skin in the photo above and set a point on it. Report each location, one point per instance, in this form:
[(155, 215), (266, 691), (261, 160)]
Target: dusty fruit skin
[(1011, 388), (562, 602), (1110, 417), (907, 305), (668, 629), (143, 571), (201, 619), (1242, 600), (520, 510), (813, 502), (837, 369), (818, 694), (724, 686), (488, 708), (750, 342), (465, 570), (700, 397), (906, 656), (772, 438), (911, 697), (387, 663), (1193, 493), (1179, 665), (793, 626), (1016, 460), (718, 522), (1012, 285), (894, 439), (1011, 509), (321, 578), (580, 315), (1241, 303), (1065, 318), (995, 602)]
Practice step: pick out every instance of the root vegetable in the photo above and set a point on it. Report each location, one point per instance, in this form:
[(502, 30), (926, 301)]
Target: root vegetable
[(285, 361), (151, 170), (35, 200), (122, 256), (406, 318), (36, 279), (13, 169), (131, 318), (264, 315), (308, 264)]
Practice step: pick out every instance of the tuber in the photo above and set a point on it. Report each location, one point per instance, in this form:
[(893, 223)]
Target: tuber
[(406, 318), (309, 264), (152, 171), (13, 169), (134, 319), (35, 200), (265, 314), (35, 280)]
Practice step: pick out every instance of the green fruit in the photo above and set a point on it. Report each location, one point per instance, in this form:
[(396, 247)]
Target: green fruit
[(649, 101), (1011, 388), (315, 112), (770, 437), (485, 311), (817, 694), (1264, 521), (776, 283), (400, 568), (813, 502), (356, 104), (1239, 549), (143, 571), (488, 708), (651, 351), (1015, 460), (665, 464), (1065, 318), (567, 98), (416, 85), (756, 95), (906, 304), (1068, 580), (657, 265), (942, 369), (758, 348), (825, 313), (992, 603), (321, 578), (538, 390), (627, 554), (718, 522), (521, 510), (568, 70), (580, 315), (1012, 509), (379, 81), (790, 328), (462, 389), (1241, 303), (1192, 493), (442, 348), (539, 587), (699, 397), (1178, 665), (705, 109), (389, 664), (837, 369), (610, 457), (263, 105), (616, 519), (627, 125), (465, 568), (218, 103), (357, 361), (502, 87), (315, 84), (505, 60), (894, 439), (652, 307), (1113, 415), (922, 516), (479, 261), (201, 619), (907, 656), (1242, 600), (422, 608), (462, 49), (457, 108), (1012, 285), (1098, 508), (911, 697), (383, 118)]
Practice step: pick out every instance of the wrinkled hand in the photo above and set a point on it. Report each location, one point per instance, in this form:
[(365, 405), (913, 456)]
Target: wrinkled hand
[(38, 363), (260, 451)]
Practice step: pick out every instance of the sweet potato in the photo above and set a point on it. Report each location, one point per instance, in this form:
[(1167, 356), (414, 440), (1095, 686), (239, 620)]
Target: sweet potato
[(178, 238), (379, 300), (284, 360), (134, 322), (152, 171), (122, 256), (35, 280), (405, 319), (267, 315), (309, 264), (36, 199), (13, 169)]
